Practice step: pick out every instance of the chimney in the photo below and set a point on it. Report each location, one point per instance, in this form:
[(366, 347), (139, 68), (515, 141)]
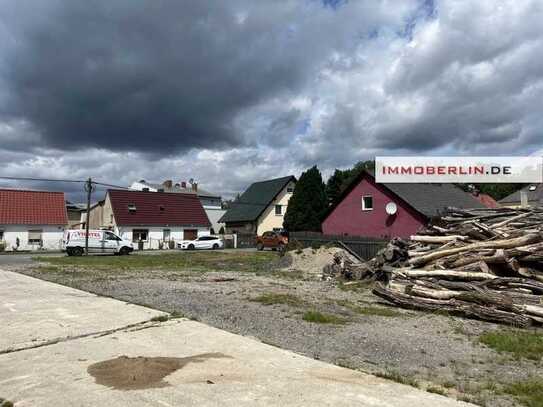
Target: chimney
[(523, 198), (195, 187), (183, 185), (168, 184)]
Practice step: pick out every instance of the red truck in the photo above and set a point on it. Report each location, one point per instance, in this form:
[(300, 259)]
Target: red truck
[(272, 240)]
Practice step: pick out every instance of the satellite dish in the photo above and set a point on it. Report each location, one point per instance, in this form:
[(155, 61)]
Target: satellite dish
[(391, 208)]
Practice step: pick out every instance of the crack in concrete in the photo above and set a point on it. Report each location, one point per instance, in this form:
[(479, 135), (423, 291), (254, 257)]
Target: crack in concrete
[(138, 326)]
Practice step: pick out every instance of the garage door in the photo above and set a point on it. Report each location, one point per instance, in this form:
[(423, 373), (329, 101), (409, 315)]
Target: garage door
[(190, 234)]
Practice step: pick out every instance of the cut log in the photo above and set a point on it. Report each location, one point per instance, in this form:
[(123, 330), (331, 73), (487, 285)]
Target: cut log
[(437, 239), (445, 274), (453, 307), (496, 244)]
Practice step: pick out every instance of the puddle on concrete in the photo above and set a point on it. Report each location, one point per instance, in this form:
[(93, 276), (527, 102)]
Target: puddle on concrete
[(126, 373)]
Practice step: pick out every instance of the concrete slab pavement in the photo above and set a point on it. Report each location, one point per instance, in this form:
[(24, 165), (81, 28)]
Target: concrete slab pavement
[(34, 312), (244, 373), (182, 362)]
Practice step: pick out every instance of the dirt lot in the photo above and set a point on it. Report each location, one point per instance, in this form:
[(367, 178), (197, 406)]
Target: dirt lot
[(263, 296)]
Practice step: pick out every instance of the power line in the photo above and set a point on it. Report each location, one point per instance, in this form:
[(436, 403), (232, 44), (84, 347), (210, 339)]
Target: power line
[(61, 180), (41, 179), (109, 185)]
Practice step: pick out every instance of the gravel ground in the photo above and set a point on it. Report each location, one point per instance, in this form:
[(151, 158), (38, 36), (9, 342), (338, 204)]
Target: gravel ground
[(433, 350)]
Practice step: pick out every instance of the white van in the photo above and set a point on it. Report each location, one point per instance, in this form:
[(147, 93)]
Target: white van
[(100, 241)]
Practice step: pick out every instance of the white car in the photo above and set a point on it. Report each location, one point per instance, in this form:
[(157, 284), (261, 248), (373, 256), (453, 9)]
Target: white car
[(203, 242)]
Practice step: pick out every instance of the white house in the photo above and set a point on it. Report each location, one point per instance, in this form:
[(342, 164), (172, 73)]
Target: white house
[(153, 218), (211, 202), (31, 220), (261, 207)]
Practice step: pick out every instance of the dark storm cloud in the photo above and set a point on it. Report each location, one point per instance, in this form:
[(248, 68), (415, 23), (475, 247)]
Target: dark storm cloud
[(157, 76)]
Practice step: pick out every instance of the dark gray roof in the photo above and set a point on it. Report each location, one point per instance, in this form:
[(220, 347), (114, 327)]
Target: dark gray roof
[(255, 199), (427, 199), (433, 199), (533, 196)]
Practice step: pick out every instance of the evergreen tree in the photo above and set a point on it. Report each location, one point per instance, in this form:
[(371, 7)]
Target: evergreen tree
[(341, 179), (307, 204), (334, 186)]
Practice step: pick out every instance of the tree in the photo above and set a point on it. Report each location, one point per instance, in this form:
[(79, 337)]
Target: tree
[(307, 204), (334, 186), (341, 179)]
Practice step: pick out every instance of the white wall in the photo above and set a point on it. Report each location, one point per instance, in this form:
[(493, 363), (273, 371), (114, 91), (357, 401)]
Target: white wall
[(155, 234), (214, 215), (51, 236), (269, 220)]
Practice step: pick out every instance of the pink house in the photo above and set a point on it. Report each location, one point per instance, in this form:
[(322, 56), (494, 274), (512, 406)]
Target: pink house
[(361, 210)]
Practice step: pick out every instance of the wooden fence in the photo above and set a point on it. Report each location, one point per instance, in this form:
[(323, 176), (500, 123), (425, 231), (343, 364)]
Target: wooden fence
[(364, 247)]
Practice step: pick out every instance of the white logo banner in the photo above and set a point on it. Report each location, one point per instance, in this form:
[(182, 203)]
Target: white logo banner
[(459, 169)]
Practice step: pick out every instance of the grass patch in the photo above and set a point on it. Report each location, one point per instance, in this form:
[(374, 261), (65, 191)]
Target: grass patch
[(355, 286), (5, 403), (273, 298), (528, 392), (397, 377), (197, 261), (436, 390), (369, 310), (160, 318), (320, 318), (520, 343)]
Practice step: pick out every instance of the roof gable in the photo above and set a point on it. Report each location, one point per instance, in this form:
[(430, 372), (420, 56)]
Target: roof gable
[(428, 199), (157, 209), (256, 199), (20, 207)]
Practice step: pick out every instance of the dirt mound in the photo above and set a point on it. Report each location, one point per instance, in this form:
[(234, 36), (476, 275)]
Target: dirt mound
[(125, 373), (310, 261)]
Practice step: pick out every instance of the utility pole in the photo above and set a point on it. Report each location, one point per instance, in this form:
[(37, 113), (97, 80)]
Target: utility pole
[(88, 188)]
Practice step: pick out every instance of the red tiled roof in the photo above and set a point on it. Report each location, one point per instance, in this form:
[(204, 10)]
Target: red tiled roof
[(157, 209), (19, 207), (487, 201)]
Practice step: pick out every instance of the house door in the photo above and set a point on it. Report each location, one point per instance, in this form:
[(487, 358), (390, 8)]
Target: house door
[(190, 234)]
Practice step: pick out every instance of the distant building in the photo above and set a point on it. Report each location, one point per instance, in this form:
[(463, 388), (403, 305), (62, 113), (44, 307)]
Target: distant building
[(152, 218), (261, 208), (32, 220), (74, 211), (531, 195), (367, 208), (211, 202)]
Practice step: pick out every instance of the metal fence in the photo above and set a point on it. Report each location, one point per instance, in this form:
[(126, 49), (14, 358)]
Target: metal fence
[(365, 247), (246, 240)]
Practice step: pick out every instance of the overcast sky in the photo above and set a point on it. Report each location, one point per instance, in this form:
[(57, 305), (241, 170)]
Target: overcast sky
[(230, 92)]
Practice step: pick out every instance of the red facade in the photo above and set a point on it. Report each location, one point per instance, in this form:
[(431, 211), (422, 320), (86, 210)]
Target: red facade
[(348, 218)]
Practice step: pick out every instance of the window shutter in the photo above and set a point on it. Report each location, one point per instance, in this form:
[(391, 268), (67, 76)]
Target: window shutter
[(34, 234)]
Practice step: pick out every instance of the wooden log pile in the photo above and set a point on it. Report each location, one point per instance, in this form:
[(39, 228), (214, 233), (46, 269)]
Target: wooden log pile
[(480, 263)]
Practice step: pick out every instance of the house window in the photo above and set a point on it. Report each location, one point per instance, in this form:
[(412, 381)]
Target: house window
[(290, 190), (1, 235), (166, 235), (140, 234), (278, 210), (132, 207), (367, 203), (161, 208), (34, 236)]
